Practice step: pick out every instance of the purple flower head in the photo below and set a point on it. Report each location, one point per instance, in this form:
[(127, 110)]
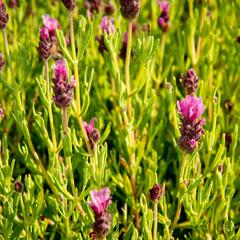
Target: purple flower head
[(69, 4), (92, 6), (157, 192), (44, 33), (92, 133), (163, 20), (3, 16), (191, 108), (100, 200), (51, 24), (190, 81), (129, 8), (60, 70), (62, 89), (45, 45), (107, 25), (89, 126)]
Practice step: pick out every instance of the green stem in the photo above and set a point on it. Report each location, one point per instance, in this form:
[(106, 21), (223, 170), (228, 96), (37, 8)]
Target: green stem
[(49, 107), (179, 205), (76, 77), (155, 220), (161, 54), (127, 71), (7, 51), (65, 120)]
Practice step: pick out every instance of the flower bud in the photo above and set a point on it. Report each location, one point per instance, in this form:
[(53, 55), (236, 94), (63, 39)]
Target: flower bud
[(92, 6), (109, 8), (228, 106), (18, 186), (130, 8), (69, 4), (238, 39), (163, 20), (62, 89), (220, 168), (157, 192), (191, 108), (190, 81), (13, 3), (45, 45), (94, 136), (99, 203), (3, 16)]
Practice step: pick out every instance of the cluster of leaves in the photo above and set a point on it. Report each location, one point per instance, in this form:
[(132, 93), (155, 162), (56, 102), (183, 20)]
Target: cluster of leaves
[(134, 153)]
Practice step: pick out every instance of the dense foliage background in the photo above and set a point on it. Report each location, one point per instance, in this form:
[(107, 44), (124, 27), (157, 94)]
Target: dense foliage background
[(39, 200)]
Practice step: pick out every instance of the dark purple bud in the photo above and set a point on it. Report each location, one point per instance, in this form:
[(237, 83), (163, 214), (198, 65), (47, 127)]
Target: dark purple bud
[(101, 45), (13, 3), (130, 8), (62, 89), (157, 192), (94, 136), (3, 16), (228, 106), (1, 62), (92, 6), (45, 45), (238, 39), (18, 186), (228, 140), (146, 28), (190, 81), (69, 4), (220, 168), (109, 8)]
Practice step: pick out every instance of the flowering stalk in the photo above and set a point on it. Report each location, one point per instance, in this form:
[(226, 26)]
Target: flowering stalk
[(50, 113), (75, 69), (156, 193)]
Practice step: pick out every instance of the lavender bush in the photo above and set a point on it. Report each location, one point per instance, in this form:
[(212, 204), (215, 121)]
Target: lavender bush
[(119, 119)]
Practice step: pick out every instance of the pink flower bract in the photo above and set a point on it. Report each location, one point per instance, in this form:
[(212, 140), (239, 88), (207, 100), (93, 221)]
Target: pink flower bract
[(51, 24), (107, 25), (191, 108), (60, 70), (100, 200)]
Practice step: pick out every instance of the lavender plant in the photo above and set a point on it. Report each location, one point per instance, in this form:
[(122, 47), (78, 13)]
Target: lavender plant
[(119, 119)]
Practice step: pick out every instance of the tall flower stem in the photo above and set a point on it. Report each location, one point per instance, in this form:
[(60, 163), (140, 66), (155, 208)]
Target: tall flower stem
[(49, 107), (127, 71), (155, 219), (7, 50), (179, 205), (65, 120), (68, 158), (161, 54), (78, 98), (128, 119)]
